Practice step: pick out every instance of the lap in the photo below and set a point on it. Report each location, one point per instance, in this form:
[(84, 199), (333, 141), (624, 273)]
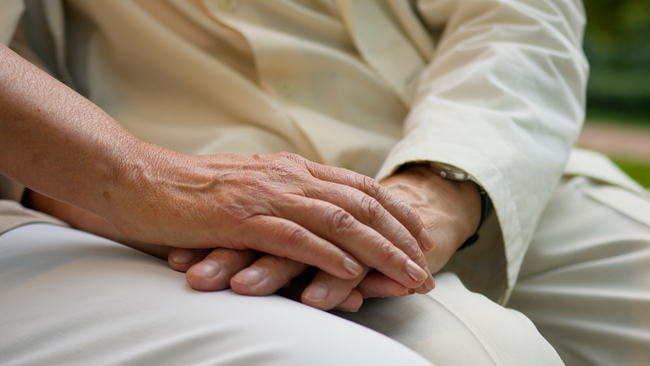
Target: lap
[(70, 298), (585, 281), (455, 326)]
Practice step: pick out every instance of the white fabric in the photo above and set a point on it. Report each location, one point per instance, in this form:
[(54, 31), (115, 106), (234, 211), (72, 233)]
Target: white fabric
[(71, 298), (585, 281), (452, 326), (501, 95)]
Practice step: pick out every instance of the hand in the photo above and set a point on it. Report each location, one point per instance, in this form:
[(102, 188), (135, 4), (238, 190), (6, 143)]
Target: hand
[(279, 204), (450, 210), (246, 271), (249, 274), (207, 275)]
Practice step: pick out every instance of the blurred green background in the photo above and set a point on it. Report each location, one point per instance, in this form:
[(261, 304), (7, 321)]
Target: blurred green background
[(617, 44)]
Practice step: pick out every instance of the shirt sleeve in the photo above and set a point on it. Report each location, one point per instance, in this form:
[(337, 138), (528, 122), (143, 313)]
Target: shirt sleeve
[(503, 99)]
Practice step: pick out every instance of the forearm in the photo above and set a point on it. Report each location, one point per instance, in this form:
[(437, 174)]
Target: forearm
[(56, 141), (60, 144), (504, 94), (503, 100), (89, 222)]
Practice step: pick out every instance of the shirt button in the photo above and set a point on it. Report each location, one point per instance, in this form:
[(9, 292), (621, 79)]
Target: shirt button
[(227, 5), (285, 88)]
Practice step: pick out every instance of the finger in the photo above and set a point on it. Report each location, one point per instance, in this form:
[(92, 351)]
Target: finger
[(266, 275), (326, 292), (352, 303), (181, 259), (284, 238), (404, 213), (371, 213), (214, 272), (375, 284), (339, 227)]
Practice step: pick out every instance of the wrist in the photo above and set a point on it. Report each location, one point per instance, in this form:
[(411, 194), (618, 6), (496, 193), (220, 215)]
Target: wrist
[(461, 200), (130, 172)]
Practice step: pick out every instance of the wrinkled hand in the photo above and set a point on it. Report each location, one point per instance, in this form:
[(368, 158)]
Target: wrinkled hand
[(451, 211), (250, 273), (280, 204)]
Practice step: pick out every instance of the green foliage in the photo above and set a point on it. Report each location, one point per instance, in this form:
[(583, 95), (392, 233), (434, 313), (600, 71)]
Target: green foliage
[(613, 20), (639, 171), (618, 48)]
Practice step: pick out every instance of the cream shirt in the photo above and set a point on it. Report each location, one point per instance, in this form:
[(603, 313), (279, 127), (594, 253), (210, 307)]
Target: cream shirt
[(495, 87)]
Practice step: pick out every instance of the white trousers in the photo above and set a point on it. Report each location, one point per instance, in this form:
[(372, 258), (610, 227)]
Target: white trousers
[(585, 281), (70, 298)]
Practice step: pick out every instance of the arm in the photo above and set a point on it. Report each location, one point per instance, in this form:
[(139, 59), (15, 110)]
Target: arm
[(503, 99), (451, 211), (280, 204)]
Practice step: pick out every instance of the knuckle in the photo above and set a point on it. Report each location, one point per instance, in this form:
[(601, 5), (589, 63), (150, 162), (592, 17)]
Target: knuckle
[(341, 221), (370, 209), (286, 170), (411, 215), (237, 212), (407, 214), (279, 167), (370, 186), (386, 252), (283, 155), (236, 256), (275, 262), (293, 236)]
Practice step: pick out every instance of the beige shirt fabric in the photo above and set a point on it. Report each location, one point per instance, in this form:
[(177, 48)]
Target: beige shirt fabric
[(13, 215), (493, 87)]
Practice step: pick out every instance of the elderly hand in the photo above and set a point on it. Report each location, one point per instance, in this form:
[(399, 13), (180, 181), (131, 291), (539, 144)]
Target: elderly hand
[(451, 211), (226, 267), (279, 204)]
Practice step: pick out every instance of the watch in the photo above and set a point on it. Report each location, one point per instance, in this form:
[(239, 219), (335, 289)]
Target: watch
[(451, 172)]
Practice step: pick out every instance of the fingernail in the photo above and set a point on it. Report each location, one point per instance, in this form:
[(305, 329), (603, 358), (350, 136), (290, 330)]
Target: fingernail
[(182, 256), (425, 240), (250, 276), (206, 269), (410, 292), (429, 283), (415, 272), (352, 266), (316, 292)]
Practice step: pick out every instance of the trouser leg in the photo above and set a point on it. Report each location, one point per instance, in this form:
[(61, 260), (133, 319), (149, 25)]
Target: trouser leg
[(453, 326), (585, 281), (71, 298)]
